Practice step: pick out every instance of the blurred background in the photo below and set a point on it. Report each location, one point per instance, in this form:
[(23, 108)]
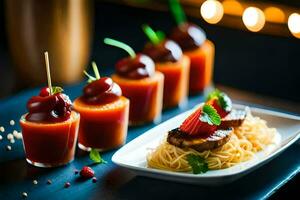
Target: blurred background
[(257, 41)]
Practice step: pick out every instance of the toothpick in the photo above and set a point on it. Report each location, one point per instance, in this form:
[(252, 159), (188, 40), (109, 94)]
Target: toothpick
[(48, 72)]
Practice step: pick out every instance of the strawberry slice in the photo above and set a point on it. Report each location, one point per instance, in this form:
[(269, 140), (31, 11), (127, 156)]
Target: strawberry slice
[(220, 101), (220, 110), (194, 126)]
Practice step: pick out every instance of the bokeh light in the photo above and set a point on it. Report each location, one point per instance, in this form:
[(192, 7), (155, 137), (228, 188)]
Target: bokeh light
[(254, 19), (212, 11), (294, 24), (274, 14), (233, 7)]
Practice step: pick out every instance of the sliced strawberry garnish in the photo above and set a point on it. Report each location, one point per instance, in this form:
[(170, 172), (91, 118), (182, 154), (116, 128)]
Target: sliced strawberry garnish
[(221, 102), (202, 122), (220, 110)]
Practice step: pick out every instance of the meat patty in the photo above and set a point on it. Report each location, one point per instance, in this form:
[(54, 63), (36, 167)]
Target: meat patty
[(234, 119), (199, 143)]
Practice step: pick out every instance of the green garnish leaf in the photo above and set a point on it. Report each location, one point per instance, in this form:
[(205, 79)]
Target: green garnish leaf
[(121, 45), (222, 99), (177, 11), (56, 90), (210, 115), (198, 164), (96, 157), (151, 34)]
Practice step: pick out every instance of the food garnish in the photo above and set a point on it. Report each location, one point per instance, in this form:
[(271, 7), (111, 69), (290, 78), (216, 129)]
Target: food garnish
[(198, 164), (136, 66), (96, 157), (159, 48), (100, 90), (203, 121), (220, 101)]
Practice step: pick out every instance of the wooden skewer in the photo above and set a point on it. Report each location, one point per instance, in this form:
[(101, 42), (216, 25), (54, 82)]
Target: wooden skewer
[(48, 72)]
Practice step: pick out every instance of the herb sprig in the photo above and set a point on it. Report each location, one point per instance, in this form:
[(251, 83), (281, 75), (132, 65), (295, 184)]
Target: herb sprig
[(96, 157), (198, 164), (56, 89)]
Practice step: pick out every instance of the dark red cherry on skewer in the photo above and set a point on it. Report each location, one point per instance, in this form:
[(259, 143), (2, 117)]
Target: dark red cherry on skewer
[(48, 108)]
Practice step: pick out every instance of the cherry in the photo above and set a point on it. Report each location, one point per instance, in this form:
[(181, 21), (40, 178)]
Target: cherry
[(97, 87), (101, 91), (188, 35), (41, 104), (48, 108), (138, 67), (44, 92), (165, 51)]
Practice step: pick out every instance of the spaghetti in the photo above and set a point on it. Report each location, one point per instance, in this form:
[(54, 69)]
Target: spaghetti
[(252, 136)]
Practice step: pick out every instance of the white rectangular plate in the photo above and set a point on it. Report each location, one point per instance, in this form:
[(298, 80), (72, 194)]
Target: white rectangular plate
[(133, 155)]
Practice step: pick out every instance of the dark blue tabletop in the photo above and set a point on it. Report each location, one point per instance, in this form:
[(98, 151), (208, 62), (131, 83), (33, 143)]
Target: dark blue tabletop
[(16, 175)]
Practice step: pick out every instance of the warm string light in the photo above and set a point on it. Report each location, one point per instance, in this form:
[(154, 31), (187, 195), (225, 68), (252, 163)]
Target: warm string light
[(233, 7), (275, 15), (254, 18), (212, 11), (294, 24)]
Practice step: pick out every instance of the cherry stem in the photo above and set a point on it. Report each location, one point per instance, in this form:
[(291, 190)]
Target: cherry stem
[(96, 71), (151, 34), (91, 78), (177, 11), (48, 72), (121, 45)]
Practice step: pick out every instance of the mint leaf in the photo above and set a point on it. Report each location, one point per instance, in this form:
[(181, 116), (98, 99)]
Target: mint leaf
[(198, 164), (210, 115), (95, 156), (56, 90)]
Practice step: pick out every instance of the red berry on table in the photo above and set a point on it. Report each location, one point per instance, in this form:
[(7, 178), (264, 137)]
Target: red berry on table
[(67, 184), (87, 172)]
